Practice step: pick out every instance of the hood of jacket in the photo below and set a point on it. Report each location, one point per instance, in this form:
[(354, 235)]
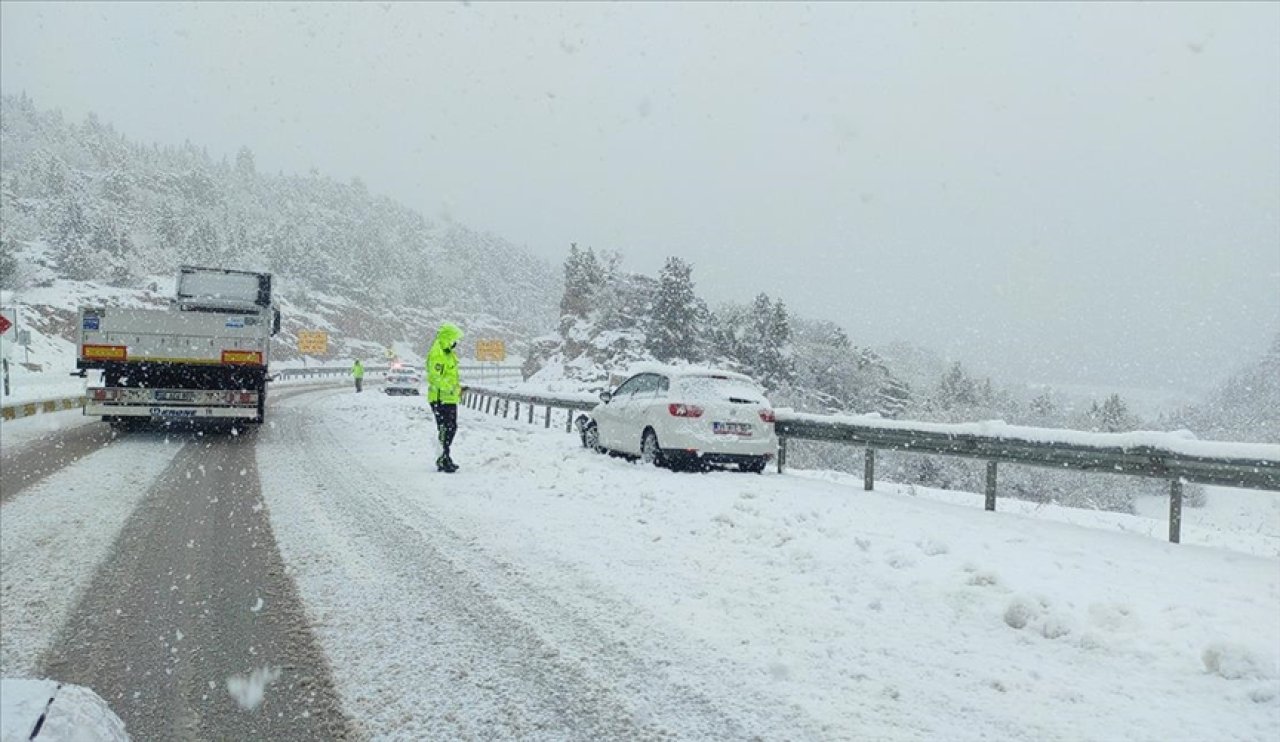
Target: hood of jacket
[(447, 335)]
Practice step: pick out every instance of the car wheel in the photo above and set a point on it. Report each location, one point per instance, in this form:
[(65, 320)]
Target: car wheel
[(591, 438), (650, 451)]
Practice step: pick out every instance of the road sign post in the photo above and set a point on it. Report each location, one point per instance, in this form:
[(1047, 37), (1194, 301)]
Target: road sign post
[(8, 336)]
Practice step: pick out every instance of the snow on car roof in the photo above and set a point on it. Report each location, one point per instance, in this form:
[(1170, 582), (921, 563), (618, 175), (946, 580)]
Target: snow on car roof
[(682, 371)]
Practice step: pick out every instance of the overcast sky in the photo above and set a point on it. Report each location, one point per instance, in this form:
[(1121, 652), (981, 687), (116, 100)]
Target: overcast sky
[(1042, 190)]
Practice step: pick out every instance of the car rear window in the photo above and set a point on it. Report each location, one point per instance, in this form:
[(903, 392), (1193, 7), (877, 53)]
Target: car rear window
[(716, 388)]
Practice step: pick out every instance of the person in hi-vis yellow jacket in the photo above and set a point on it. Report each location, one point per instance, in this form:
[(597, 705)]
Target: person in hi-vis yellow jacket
[(444, 390)]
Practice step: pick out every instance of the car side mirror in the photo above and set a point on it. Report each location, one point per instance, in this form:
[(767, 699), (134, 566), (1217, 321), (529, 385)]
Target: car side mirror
[(606, 397)]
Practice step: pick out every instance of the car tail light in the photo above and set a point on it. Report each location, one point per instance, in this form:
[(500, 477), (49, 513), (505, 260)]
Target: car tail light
[(767, 415), (678, 409), (103, 395)]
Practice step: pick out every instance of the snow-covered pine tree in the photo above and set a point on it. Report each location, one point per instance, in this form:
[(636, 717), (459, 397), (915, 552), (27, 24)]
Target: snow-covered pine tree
[(956, 389), (766, 350), (1042, 407), (1115, 416), (8, 265), (895, 397), (672, 332), (583, 278), (71, 242)]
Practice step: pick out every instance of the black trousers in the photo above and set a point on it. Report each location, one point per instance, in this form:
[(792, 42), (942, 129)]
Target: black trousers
[(446, 423)]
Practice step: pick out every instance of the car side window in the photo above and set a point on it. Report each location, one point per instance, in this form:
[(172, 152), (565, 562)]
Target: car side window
[(664, 385), (652, 384), (628, 387)]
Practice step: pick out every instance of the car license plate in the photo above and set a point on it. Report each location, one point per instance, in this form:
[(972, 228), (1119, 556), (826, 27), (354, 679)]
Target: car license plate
[(731, 428)]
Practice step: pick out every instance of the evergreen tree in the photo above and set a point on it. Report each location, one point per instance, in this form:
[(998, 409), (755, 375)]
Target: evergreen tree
[(765, 351), (1114, 417), (957, 389), (70, 243), (202, 246), (1042, 406), (169, 226), (895, 397), (673, 332), (8, 265), (244, 164), (583, 278)]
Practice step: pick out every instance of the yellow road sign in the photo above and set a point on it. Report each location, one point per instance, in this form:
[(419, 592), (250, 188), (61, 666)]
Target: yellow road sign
[(491, 350), (313, 342)]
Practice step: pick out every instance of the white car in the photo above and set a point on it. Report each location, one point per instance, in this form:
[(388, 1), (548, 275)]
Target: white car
[(685, 417), (403, 380)]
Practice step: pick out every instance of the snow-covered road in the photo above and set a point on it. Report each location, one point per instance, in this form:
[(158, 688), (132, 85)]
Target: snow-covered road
[(545, 592)]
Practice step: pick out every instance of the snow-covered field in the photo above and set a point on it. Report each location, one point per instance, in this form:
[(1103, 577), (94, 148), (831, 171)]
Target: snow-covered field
[(794, 606)]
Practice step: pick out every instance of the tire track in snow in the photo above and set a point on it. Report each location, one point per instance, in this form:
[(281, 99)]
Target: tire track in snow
[(35, 461), (30, 463), (55, 533), (191, 629)]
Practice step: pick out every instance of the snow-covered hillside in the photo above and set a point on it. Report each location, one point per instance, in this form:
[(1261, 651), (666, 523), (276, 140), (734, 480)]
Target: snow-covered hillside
[(83, 204)]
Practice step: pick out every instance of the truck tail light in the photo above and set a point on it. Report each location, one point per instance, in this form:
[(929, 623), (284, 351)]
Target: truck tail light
[(242, 397), (767, 415), (104, 395), (679, 409)]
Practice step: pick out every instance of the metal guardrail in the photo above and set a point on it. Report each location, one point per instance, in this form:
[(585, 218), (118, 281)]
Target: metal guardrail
[(26, 409), (1138, 460), (500, 402), (322, 371), (1153, 462), (315, 371), (35, 407)]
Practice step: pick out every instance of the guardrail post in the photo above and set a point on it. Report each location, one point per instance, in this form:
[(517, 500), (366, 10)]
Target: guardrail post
[(568, 421), (1175, 511), (517, 412), (782, 454), (506, 408), (869, 470), (991, 485), (548, 422), (531, 413)]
